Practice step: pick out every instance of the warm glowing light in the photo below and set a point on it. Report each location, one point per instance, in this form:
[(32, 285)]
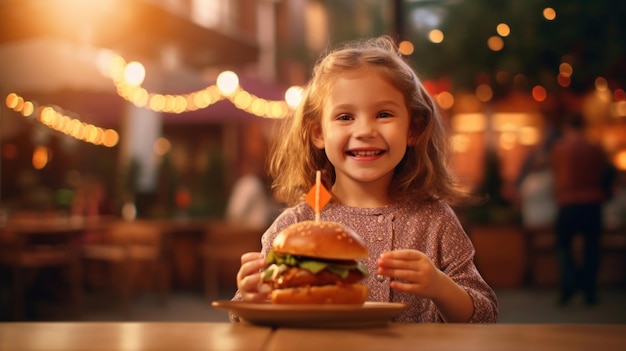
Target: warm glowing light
[(495, 43), (549, 13), (529, 136), (445, 100), (566, 69), (227, 86), (157, 102), (406, 48), (162, 146), (563, 80), (484, 92), (40, 157), (104, 62), (243, 99), (469, 122), (293, 96), (620, 160), (436, 36), (227, 82), (539, 93), (510, 121), (57, 120), (503, 30), (12, 100), (134, 73), (460, 143), (601, 84), (91, 133), (507, 140), (110, 138), (28, 109)]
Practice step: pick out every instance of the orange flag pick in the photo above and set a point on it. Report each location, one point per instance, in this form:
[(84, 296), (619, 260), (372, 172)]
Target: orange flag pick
[(318, 196)]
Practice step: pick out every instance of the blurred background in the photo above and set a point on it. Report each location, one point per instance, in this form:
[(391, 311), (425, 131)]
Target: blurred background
[(126, 126)]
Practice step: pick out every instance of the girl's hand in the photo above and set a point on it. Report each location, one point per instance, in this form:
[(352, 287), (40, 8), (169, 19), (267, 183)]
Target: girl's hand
[(411, 271), (249, 279)]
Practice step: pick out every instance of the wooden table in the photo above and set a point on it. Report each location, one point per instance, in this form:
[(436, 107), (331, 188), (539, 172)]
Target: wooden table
[(433, 337), (131, 336), (226, 336)]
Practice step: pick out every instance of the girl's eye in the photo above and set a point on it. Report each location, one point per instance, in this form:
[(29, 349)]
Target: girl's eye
[(384, 115), (344, 117)]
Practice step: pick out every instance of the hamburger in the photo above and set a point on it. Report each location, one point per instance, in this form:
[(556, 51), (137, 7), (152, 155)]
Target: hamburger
[(314, 262)]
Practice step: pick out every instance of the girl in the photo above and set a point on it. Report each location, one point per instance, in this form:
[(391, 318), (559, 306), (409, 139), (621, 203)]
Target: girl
[(368, 123)]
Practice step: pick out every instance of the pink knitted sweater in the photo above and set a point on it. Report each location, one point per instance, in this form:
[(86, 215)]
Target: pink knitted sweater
[(432, 228)]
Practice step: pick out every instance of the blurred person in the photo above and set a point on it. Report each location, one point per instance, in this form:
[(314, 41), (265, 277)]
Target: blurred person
[(538, 206), (535, 186), (250, 202), (614, 211), (581, 184)]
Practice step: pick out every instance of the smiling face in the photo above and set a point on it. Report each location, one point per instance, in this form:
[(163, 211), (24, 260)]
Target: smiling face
[(364, 130)]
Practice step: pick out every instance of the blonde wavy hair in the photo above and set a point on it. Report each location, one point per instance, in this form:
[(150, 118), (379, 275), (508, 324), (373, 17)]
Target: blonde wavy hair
[(423, 173)]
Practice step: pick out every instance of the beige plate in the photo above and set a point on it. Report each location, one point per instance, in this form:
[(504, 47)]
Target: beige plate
[(313, 316)]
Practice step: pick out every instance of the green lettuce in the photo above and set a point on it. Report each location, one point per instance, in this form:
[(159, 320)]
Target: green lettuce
[(310, 264)]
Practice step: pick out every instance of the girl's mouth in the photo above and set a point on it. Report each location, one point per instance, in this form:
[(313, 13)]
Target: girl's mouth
[(365, 153)]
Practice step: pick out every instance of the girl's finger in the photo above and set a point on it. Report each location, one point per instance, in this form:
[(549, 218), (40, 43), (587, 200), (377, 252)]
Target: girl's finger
[(250, 267), (250, 256), (252, 288)]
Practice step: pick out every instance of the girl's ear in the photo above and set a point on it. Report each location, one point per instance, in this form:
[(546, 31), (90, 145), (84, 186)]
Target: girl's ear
[(317, 136)]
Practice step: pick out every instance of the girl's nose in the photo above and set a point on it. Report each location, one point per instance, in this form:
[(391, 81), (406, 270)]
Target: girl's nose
[(365, 128)]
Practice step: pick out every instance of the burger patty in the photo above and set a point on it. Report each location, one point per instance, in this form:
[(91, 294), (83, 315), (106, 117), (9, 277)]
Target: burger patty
[(295, 277)]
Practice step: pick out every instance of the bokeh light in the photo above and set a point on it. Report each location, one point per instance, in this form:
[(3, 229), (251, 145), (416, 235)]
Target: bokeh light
[(539, 93), (549, 13), (495, 43), (293, 96), (406, 48), (436, 36), (227, 82), (134, 73), (503, 30)]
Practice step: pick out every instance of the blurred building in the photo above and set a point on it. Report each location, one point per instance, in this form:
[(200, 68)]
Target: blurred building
[(53, 54)]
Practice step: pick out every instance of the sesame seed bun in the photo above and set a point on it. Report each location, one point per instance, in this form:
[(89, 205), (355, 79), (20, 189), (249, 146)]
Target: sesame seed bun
[(321, 239)]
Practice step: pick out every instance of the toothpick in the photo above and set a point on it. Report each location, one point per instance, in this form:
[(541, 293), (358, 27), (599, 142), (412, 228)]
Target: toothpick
[(318, 182)]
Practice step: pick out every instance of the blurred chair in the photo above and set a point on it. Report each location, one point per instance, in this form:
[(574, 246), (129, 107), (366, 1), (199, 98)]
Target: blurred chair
[(127, 249), (28, 247), (542, 264), (540, 243), (224, 243)]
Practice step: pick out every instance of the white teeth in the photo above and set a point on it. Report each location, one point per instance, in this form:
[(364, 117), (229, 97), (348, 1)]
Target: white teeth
[(365, 153)]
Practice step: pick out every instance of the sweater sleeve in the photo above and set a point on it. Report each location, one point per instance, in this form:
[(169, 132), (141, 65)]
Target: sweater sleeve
[(457, 261)]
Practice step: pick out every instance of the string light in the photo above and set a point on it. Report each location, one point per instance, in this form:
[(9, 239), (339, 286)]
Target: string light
[(128, 78), (226, 87), (55, 118)]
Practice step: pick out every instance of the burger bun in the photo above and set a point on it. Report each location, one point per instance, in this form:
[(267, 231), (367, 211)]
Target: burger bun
[(352, 294), (320, 239)]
